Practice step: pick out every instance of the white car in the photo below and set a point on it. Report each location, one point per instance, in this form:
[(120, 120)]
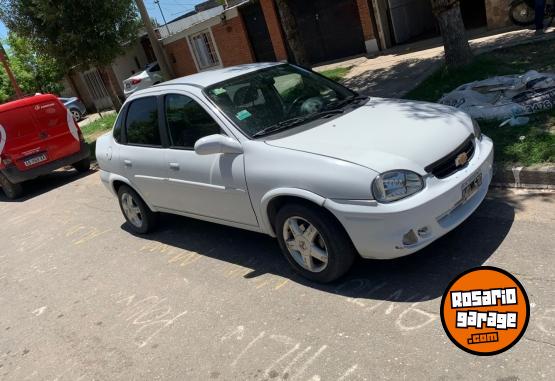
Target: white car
[(283, 151), (146, 78)]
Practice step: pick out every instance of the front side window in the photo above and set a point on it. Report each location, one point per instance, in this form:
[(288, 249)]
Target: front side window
[(142, 122), (280, 94), (187, 121), (204, 50)]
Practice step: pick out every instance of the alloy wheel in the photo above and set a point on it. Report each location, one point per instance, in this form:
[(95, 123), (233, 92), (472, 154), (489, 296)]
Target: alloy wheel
[(305, 244), (131, 210)]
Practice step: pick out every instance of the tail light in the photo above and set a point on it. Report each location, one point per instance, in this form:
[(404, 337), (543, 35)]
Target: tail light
[(6, 160), (136, 81)]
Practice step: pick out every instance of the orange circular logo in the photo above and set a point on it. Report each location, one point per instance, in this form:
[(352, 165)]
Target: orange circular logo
[(485, 311)]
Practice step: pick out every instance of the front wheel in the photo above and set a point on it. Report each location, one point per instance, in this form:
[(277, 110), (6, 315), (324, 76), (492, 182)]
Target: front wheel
[(522, 14), (136, 212), (314, 243), (11, 190)]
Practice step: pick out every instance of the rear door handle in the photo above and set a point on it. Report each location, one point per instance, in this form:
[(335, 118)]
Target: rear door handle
[(127, 163), (174, 166)]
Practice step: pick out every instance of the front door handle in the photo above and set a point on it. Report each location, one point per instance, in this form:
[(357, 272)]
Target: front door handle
[(127, 163), (174, 166)]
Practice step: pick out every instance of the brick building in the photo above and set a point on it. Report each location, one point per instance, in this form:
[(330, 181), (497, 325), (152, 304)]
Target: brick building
[(250, 30)]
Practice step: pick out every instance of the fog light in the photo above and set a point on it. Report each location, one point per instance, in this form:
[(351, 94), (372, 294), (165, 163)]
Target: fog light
[(410, 238), (424, 232)]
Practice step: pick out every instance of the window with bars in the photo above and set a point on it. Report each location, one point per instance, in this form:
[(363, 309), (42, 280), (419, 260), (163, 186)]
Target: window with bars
[(204, 50)]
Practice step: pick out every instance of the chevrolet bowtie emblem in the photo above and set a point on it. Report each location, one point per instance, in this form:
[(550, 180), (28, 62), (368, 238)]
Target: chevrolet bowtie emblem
[(461, 159)]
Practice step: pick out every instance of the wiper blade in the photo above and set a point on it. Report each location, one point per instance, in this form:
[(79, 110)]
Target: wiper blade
[(338, 104), (283, 125), (286, 124)]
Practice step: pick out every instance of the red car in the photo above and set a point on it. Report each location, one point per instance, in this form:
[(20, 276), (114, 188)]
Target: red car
[(37, 136)]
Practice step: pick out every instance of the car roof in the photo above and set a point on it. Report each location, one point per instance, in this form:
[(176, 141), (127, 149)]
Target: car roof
[(27, 101), (211, 77)]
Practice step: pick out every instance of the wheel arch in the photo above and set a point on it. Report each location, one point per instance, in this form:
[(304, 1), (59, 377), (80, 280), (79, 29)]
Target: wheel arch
[(273, 200), (117, 181)]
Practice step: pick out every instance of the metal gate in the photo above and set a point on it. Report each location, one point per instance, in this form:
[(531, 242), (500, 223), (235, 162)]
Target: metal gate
[(411, 18), (258, 32), (97, 90), (331, 29)]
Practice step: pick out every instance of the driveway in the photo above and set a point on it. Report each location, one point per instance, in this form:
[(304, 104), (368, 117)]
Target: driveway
[(398, 70), (83, 299)]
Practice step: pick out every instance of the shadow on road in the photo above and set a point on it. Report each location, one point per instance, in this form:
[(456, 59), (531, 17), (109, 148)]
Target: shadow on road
[(44, 184), (419, 277)]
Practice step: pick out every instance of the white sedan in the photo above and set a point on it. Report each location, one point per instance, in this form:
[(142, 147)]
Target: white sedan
[(283, 151), (151, 75)]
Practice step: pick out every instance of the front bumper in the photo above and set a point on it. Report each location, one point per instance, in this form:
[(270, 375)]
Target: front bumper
[(377, 230)]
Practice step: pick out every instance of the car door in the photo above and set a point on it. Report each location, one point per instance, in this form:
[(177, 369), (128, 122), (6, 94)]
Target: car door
[(208, 185), (142, 154)]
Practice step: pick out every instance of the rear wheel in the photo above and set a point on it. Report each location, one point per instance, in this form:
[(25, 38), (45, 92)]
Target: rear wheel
[(83, 166), (314, 243), (138, 215), (522, 14), (11, 190)]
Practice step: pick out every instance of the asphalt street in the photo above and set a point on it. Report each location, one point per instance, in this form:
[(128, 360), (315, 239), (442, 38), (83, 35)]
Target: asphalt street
[(83, 299)]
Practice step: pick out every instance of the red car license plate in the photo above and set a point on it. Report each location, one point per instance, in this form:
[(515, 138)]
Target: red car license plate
[(35, 160)]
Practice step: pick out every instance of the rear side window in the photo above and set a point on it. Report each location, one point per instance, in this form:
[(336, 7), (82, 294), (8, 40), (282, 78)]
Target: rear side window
[(142, 122), (117, 127)]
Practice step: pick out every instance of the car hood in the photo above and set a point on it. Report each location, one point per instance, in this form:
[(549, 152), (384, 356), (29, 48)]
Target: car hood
[(385, 134)]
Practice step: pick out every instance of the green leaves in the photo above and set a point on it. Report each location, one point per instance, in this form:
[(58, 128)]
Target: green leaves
[(78, 34)]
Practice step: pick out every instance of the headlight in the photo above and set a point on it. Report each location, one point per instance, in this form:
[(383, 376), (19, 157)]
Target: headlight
[(395, 185), (477, 129)]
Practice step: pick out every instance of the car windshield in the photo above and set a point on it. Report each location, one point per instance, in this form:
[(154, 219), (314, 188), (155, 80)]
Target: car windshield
[(279, 97)]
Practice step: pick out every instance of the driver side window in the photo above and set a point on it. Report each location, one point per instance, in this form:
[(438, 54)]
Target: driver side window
[(187, 121)]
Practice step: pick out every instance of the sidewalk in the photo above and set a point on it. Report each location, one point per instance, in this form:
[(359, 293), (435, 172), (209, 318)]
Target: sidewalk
[(400, 69)]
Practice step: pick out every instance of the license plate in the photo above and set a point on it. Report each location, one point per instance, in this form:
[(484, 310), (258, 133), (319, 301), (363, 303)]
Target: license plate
[(35, 160), (470, 187)]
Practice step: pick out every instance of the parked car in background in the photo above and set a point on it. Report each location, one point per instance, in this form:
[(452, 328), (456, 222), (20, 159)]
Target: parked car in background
[(37, 135), (75, 107), (146, 78), (278, 149)]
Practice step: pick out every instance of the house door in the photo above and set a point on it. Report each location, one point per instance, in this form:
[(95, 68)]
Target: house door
[(331, 29), (411, 20), (97, 90), (258, 32)]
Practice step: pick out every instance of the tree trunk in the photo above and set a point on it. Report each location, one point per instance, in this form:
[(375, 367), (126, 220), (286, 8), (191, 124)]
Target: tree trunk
[(109, 84), (457, 49), (290, 27)]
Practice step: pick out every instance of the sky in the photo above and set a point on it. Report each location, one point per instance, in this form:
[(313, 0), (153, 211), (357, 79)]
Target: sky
[(171, 9)]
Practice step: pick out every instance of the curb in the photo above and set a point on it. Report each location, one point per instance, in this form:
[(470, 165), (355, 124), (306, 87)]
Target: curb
[(524, 177)]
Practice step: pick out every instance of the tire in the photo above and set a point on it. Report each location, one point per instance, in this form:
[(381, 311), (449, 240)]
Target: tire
[(83, 166), (11, 190), (76, 114), (330, 238), (147, 219), (522, 14)]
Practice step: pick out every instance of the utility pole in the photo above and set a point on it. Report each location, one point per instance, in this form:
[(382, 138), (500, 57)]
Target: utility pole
[(167, 71), (4, 59), (157, 2)]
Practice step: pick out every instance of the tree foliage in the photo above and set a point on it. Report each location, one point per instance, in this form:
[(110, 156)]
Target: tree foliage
[(35, 71), (76, 33)]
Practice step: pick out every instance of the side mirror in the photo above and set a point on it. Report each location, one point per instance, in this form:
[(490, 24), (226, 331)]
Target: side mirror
[(213, 144)]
